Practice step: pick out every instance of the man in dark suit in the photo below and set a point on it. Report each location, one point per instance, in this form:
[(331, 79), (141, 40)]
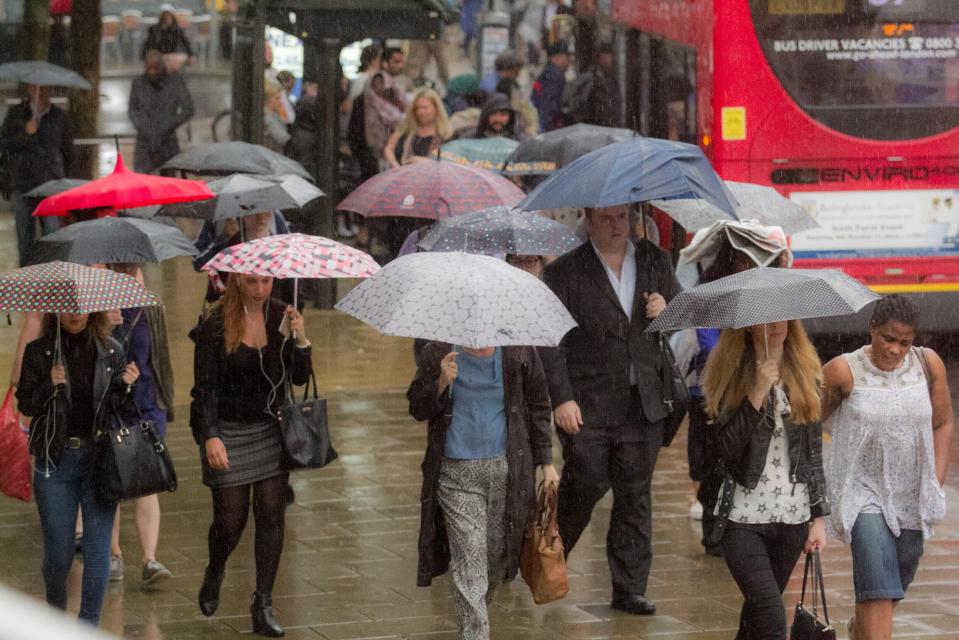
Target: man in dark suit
[(605, 384)]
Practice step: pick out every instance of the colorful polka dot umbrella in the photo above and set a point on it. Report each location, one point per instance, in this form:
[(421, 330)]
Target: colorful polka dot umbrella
[(294, 255), (434, 189), (65, 287)]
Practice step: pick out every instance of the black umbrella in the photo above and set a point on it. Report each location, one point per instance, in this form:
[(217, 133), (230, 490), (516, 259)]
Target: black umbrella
[(501, 230), (763, 295), (42, 74), (53, 187), (244, 195), (543, 153), (226, 158), (112, 240)]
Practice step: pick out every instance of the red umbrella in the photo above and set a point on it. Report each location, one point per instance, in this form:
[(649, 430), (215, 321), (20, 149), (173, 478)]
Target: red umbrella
[(124, 189), (431, 189), (61, 7)]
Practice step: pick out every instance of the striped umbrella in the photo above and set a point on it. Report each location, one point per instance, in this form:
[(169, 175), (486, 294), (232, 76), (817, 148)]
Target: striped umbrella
[(483, 153), (65, 287)]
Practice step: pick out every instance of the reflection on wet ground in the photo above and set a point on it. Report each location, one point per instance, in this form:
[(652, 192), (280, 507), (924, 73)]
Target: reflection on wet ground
[(348, 568)]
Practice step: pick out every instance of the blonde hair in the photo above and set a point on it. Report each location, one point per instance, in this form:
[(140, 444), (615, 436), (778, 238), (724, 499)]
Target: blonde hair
[(443, 128), (271, 88), (231, 305), (730, 373)]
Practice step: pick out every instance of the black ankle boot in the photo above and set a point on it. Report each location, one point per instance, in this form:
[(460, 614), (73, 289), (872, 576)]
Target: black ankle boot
[(209, 597), (262, 612)]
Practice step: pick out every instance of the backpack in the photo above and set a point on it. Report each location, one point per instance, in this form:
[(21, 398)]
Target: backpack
[(577, 97)]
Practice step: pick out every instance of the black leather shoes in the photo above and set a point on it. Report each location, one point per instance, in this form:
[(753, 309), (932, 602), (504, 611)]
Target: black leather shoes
[(262, 612), (209, 597), (636, 605)]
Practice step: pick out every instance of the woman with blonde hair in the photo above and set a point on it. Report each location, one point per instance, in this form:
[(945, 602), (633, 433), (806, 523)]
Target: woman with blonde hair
[(425, 127), (244, 353), (761, 386)]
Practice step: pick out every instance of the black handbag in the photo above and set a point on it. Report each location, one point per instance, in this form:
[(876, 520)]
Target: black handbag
[(305, 429), (131, 460), (806, 623), (675, 393)]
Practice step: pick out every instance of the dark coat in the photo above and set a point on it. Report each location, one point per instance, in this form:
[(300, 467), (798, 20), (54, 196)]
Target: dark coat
[(592, 364), (43, 156), (604, 98), (156, 109), (528, 445), (497, 102), (743, 441), (166, 39), (547, 97), (35, 388)]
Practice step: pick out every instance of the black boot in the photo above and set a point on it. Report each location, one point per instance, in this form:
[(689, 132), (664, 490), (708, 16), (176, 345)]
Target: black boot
[(209, 597), (263, 621)]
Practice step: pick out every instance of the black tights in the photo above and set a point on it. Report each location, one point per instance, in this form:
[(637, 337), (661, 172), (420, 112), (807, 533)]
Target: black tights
[(231, 507)]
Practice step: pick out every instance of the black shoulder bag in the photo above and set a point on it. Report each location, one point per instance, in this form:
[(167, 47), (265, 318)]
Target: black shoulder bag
[(305, 429), (806, 623)]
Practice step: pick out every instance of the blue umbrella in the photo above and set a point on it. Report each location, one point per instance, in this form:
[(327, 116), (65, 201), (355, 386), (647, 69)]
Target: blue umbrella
[(634, 170)]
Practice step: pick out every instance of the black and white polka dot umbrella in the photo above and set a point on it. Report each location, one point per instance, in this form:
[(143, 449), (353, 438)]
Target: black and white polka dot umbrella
[(498, 230), (471, 300), (762, 295)]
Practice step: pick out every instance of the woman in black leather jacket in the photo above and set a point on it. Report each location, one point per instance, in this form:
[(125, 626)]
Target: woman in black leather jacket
[(761, 386)]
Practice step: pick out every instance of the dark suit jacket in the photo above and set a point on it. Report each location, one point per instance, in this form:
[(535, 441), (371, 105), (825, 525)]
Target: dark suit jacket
[(592, 364)]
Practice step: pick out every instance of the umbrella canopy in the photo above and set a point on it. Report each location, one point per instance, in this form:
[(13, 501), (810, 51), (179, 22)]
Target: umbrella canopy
[(431, 189), (294, 255), (482, 153), (500, 230), (635, 170), (542, 154), (763, 204), (225, 158), (763, 295), (112, 240), (53, 187), (66, 287), (243, 195), (124, 189), (42, 74), (465, 299)]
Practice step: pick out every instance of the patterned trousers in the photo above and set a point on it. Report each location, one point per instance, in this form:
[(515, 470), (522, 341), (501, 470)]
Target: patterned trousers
[(472, 494)]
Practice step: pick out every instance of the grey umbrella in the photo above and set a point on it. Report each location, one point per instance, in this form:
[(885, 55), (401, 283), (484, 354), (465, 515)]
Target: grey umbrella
[(243, 195), (543, 153), (226, 158), (501, 230), (53, 187), (461, 298), (763, 295), (42, 74), (112, 240), (762, 204)]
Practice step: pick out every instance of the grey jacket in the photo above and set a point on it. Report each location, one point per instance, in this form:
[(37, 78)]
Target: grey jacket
[(156, 110)]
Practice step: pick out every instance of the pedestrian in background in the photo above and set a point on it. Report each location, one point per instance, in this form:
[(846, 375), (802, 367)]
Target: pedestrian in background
[(90, 378), (888, 408), (548, 90), (605, 383), (420, 53), (488, 413), (160, 102), (241, 364), (276, 132), (498, 119), (168, 38), (424, 128), (36, 142), (761, 386)]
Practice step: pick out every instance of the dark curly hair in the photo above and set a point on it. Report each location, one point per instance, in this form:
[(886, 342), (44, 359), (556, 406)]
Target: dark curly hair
[(895, 307)]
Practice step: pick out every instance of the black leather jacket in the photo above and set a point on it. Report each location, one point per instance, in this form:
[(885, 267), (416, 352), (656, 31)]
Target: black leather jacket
[(743, 440)]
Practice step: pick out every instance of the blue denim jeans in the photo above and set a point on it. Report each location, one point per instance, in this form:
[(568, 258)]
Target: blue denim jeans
[(27, 225), (70, 485), (883, 565)]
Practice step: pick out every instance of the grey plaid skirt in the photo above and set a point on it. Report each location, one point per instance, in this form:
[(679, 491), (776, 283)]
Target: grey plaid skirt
[(254, 450)]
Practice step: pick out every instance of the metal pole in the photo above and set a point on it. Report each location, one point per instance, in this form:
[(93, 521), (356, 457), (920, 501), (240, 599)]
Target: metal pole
[(493, 37), (248, 65)]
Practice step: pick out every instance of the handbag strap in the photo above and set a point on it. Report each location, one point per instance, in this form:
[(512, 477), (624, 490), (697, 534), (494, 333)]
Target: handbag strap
[(805, 577), (822, 585)]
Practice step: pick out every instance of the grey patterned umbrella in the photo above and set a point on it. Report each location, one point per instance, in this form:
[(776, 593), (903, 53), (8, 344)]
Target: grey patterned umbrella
[(43, 74), (544, 153), (243, 195), (465, 299), (226, 158), (763, 295), (53, 187), (501, 230), (112, 240), (762, 204)]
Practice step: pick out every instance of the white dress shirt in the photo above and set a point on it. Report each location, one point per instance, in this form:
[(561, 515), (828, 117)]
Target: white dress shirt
[(624, 286)]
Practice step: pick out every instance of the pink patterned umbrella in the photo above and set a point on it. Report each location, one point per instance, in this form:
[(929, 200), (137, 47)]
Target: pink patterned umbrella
[(434, 189)]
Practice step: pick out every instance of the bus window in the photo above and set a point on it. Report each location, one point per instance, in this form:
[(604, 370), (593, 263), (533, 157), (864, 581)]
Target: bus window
[(881, 70), (672, 100)]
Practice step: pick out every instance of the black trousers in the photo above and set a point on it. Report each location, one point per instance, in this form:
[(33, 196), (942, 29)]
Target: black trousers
[(622, 459), (704, 466), (761, 557)]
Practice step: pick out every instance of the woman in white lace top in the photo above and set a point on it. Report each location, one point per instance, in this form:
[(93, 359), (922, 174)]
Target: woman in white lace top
[(888, 407)]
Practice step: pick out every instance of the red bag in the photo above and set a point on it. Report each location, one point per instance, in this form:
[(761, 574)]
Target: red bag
[(15, 471)]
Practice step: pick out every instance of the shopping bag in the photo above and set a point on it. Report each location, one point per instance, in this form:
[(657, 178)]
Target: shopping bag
[(15, 471), (806, 623), (542, 560)]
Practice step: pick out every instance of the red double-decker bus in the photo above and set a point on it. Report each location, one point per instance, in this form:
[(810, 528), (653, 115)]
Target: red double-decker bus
[(848, 107)]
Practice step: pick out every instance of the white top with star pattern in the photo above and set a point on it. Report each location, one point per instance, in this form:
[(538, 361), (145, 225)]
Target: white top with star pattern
[(775, 498)]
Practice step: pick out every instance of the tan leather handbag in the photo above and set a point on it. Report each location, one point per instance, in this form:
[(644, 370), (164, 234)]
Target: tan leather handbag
[(542, 561)]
